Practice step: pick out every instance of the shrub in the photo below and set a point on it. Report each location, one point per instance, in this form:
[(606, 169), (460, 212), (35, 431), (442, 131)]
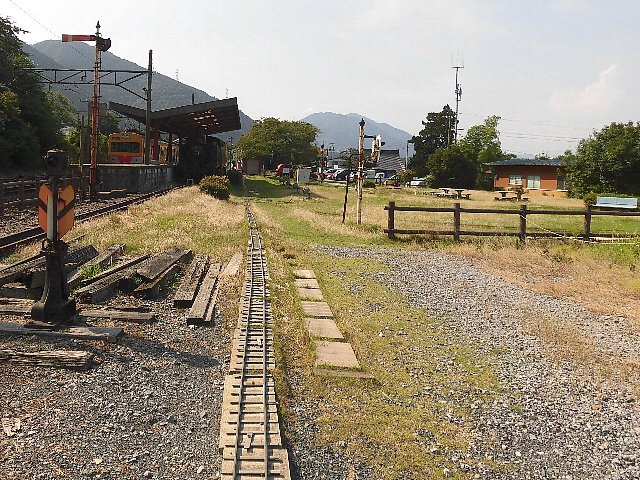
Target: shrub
[(368, 184), (235, 176), (589, 199), (216, 186)]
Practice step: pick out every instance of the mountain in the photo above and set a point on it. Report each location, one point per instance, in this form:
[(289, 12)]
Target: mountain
[(342, 130), (166, 92)]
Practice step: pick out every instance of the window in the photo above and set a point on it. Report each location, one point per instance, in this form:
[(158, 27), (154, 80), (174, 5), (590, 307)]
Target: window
[(533, 181), (125, 147), (515, 179), (560, 182)]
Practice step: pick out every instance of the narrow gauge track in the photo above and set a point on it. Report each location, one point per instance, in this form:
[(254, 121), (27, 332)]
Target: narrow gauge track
[(250, 437), (10, 242)]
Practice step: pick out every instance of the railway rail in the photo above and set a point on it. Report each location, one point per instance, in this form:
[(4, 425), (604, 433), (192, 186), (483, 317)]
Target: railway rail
[(250, 438), (9, 243)]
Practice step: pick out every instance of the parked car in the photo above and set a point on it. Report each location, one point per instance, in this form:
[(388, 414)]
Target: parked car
[(342, 174), (417, 182)]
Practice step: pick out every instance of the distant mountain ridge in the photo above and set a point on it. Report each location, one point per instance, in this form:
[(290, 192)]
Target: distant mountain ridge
[(166, 91), (343, 129)]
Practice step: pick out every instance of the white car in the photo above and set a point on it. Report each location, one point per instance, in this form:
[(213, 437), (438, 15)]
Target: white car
[(417, 182)]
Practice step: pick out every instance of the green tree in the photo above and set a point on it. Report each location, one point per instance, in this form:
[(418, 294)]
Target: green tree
[(451, 167), (607, 161), (482, 145), (279, 141), (438, 132), (29, 119)]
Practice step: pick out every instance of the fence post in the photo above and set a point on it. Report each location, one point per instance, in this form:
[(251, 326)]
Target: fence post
[(456, 222), (523, 224), (2, 198), (391, 222), (587, 222)]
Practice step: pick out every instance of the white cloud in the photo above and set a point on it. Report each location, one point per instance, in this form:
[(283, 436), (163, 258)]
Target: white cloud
[(599, 94)]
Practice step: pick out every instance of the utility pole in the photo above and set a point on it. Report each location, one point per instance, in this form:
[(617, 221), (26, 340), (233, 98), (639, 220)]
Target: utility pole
[(360, 168), (458, 98), (147, 127), (95, 114)]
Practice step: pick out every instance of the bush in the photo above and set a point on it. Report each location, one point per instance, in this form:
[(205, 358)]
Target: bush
[(368, 184), (589, 199), (235, 176), (216, 186)]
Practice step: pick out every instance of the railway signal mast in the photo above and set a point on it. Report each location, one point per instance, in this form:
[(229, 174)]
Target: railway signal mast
[(102, 45)]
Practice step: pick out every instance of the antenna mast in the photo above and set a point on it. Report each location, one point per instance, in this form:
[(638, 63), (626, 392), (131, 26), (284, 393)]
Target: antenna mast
[(458, 98)]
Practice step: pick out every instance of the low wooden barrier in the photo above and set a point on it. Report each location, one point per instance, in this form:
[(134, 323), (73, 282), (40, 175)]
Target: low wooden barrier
[(523, 213)]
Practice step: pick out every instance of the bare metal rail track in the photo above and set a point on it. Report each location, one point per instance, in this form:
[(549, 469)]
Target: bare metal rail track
[(15, 240), (250, 438)]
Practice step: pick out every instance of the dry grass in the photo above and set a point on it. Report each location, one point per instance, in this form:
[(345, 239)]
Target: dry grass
[(566, 343), (185, 218)]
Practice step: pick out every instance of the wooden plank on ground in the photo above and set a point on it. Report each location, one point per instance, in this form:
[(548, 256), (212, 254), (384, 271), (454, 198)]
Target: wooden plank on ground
[(116, 268), (105, 258), (198, 312), (15, 308), (160, 262), (108, 281), (18, 291), (72, 261), (186, 293), (79, 333), (233, 266), (152, 288), (8, 273), (77, 360), (25, 268), (122, 315)]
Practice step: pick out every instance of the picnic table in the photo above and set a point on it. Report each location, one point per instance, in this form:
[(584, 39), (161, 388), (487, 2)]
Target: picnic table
[(517, 195), (460, 195)]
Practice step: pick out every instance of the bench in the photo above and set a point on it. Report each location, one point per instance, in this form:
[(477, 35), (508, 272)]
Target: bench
[(616, 202)]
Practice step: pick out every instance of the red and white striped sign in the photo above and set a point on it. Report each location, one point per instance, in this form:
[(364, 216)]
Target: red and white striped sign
[(78, 38)]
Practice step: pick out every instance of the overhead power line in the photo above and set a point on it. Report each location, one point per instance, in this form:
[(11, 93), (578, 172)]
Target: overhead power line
[(55, 35), (545, 124)]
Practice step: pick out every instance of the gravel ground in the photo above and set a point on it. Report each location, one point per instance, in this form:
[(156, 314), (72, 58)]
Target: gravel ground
[(551, 421), (149, 409)]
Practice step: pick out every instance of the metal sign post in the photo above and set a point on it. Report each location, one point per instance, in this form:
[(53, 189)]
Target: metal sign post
[(55, 216)]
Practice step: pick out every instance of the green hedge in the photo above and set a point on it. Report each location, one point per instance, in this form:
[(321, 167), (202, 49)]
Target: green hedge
[(216, 186)]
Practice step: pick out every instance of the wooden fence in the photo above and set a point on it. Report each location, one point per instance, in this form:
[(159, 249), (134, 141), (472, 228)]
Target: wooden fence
[(523, 213), (23, 194)]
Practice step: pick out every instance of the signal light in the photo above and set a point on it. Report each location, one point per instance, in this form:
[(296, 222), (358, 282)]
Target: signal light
[(56, 162), (104, 44)]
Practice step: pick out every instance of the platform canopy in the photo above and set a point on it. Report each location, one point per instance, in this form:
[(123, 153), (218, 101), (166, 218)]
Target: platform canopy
[(207, 118)]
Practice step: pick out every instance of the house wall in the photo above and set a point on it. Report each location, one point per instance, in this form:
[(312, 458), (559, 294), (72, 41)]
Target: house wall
[(548, 176), (252, 166)]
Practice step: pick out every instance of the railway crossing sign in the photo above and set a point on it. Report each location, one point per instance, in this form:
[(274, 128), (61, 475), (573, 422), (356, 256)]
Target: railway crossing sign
[(47, 213)]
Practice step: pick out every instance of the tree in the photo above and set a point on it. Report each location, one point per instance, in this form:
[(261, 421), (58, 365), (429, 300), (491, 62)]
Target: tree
[(29, 120), (482, 145), (438, 132), (279, 141), (451, 167), (607, 161)]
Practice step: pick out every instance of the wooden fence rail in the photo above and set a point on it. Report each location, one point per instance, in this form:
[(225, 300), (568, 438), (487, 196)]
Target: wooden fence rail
[(523, 213), (22, 194)]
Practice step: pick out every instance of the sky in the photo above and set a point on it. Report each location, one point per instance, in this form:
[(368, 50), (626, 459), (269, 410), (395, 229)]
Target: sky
[(555, 71)]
